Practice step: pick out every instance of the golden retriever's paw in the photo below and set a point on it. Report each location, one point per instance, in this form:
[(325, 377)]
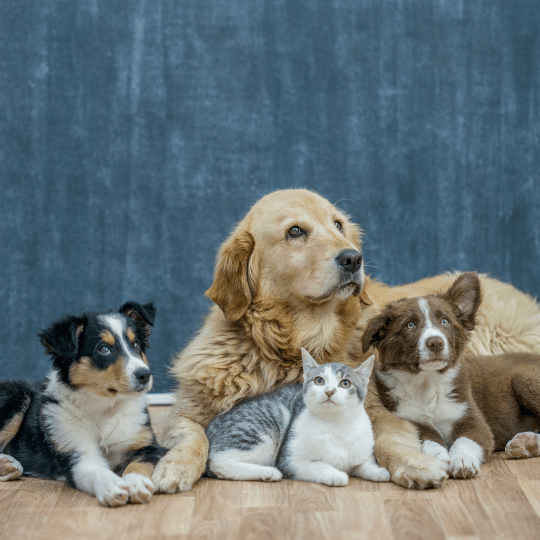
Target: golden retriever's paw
[(140, 488), (421, 473), (523, 445), (174, 473), (10, 468)]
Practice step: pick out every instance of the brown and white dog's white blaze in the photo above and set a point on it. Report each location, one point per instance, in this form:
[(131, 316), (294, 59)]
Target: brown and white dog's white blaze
[(421, 378)]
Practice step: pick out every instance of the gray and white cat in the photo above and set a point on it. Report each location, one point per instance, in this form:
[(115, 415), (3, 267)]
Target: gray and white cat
[(317, 432)]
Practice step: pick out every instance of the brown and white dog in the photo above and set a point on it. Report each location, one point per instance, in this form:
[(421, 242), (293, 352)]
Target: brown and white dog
[(290, 276), (458, 404)]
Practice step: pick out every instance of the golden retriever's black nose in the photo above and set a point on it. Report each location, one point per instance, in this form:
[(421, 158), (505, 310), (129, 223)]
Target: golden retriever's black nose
[(350, 260), (142, 375)]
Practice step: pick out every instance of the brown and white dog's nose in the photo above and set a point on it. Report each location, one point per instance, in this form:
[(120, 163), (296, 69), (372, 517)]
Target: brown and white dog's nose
[(330, 392), (349, 260), (142, 375), (435, 344)]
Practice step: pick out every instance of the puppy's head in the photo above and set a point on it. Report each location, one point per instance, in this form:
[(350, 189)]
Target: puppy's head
[(426, 333), (292, 245), (104, 353)]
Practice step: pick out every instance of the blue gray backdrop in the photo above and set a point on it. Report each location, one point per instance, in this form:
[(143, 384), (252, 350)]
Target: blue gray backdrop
[(135, 133)]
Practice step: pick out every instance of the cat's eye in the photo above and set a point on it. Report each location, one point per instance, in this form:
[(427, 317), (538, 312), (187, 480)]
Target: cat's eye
[(345, 383), (411, 325), (319, 381), (445, 322), (104, 349)]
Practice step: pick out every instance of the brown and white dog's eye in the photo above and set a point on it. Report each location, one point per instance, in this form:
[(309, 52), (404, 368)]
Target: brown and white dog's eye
[(345, 383), (445, 322), (104, 349), (319, 381), (411, 325), (339, 225), (295, 232)]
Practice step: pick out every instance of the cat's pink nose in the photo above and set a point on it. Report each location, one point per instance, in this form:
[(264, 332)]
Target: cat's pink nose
[(329, 392)]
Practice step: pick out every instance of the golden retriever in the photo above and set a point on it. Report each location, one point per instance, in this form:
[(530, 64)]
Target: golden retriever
[(289, 276)]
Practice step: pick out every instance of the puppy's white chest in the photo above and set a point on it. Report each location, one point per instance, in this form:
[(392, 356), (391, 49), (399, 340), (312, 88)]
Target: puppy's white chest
[(426, 397)]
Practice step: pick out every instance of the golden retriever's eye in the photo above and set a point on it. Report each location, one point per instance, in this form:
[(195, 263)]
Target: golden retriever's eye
[(319, 381), (339, 226), (295, 232), (345, 383)]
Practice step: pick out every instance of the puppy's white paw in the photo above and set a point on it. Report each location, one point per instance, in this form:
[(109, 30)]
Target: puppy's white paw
[(433, 449), (337, 478), (466, 456), (10, 468), (140, 487), (382, 475), (113, 492)]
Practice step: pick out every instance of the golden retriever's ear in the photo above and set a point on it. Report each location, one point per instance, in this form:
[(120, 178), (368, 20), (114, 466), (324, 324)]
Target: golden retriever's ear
[(230, 290)]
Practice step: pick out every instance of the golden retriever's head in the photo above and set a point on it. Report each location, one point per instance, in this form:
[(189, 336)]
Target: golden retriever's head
[(293, 245)]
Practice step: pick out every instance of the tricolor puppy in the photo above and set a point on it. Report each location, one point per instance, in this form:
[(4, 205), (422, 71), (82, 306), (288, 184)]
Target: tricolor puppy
[(87, 422), (421, 376)]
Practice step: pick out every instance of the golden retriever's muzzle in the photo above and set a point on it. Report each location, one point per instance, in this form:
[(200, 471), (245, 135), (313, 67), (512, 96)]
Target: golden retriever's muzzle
[(351, 274)]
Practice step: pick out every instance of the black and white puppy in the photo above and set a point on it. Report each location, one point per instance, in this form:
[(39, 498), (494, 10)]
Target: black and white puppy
[(87, 422)]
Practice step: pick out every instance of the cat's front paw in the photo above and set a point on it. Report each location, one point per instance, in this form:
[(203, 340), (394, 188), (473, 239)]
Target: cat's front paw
[(433, 449), (271, 475), (382, 475), (337, 478), (523, 445), (140, 487)]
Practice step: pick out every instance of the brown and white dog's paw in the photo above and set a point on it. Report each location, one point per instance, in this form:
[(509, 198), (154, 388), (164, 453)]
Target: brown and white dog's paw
[(175, 472), (140, 487), (10, 468), (433, 449), (466, 456), (113, 492), (523, 445), (423, 472)]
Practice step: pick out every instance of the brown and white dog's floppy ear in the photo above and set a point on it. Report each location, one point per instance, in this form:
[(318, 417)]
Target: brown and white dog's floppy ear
[(230, 290), (377, 328), (466, 295)]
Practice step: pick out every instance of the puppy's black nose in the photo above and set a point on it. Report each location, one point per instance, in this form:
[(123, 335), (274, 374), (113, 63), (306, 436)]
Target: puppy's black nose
[(350, 260), (435, 344), (142, 375)]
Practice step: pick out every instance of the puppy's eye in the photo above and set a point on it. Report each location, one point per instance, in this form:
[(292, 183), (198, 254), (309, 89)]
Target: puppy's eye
[(345, 383), (104, 349), (295, 232), (339, 226), (411, 325), (136, 345), (445, 322), (319, 381)]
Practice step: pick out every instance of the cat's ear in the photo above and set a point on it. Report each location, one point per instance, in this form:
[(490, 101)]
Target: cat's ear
[(364, 371), (308, 361)]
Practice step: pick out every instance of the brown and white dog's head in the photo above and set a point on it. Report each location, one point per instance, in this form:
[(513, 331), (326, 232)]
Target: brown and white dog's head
[(293, 245), (103, 353), (426, 333)]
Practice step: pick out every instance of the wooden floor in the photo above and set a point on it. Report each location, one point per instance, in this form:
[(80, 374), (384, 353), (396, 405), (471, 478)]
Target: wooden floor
[(503, 502)]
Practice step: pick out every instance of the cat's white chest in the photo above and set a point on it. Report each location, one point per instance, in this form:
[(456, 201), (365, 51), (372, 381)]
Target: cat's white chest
[(426, 397), (344, 444)]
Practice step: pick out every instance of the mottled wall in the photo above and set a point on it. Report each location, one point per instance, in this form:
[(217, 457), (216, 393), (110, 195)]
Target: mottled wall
[(135, 133)]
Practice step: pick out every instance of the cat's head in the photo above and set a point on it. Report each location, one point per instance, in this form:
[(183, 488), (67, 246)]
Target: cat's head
[(329, 388)]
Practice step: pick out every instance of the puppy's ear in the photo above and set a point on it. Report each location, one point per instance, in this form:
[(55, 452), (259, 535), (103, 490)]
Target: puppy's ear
[(143, 315), (376, 330), (230, 290), (466, 296), (61, 339)]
